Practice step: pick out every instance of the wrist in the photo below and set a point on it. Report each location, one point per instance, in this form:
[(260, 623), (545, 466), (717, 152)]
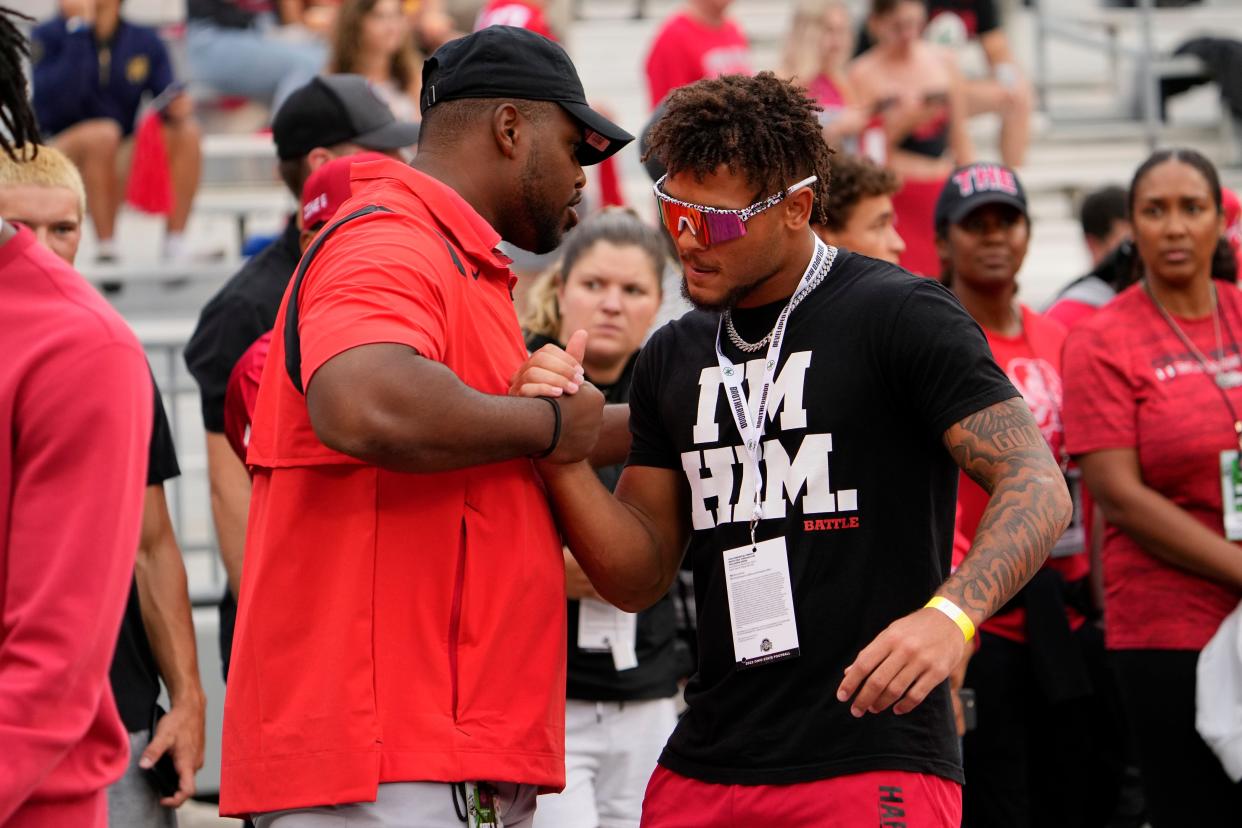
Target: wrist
[(190, 697), (555, 437), (954, 613)]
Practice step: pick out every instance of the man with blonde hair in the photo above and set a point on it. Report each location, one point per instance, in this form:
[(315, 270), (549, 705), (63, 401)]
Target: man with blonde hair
[(43, 190)]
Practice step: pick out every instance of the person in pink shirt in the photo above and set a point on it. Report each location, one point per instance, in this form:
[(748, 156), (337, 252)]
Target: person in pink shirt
[(700, 41), (1039, 663), (75, 401)]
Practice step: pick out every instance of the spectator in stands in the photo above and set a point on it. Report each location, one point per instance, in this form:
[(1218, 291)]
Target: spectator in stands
[(1153, 387), (919, 95), (431, 23), (242, 47), (77, 418), (699, 41), (331, 116), (1042, 754), (1006, 91), (817, 53), (859, 214), (372, 39), (620, 707), (45, 193), (1105, 218), (92, 69), (525, 14)]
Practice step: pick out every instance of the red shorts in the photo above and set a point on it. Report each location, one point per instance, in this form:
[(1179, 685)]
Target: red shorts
[(887, 799)]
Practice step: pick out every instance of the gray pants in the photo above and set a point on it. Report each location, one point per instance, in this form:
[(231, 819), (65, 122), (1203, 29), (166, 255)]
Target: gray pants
[(406, 805), (132, 802)]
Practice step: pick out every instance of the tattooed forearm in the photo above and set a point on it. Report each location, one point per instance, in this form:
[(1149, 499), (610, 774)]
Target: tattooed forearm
[(1002, 450)]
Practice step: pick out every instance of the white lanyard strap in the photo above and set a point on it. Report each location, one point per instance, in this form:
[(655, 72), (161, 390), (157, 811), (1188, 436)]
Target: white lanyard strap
[(750, 429)]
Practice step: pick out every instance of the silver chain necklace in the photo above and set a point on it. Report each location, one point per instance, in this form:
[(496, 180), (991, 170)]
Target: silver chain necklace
[(746, 347)]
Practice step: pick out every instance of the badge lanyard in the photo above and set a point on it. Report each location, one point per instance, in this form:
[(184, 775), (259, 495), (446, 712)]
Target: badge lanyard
[(1218, 376), (752, 430)]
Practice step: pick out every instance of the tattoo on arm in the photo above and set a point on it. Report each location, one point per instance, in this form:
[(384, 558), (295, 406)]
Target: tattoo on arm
[(1001, 448)]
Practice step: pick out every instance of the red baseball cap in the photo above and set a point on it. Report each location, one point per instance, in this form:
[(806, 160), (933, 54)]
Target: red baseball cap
[(328, 187)]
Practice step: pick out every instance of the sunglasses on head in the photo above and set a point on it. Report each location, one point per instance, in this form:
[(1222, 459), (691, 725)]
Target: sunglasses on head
[(714, 225)]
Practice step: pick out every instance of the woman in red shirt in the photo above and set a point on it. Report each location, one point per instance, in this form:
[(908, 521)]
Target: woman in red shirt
[(1153, 397), (1036, 757)]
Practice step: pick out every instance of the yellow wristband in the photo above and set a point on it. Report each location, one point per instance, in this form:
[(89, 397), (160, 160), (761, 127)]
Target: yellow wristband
[(955, 614)]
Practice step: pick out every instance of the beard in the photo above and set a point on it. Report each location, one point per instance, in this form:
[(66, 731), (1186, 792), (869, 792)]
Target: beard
[(731, 297), (546, 223)]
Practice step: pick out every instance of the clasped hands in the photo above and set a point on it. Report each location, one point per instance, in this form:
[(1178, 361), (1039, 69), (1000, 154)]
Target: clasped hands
[(558, 374)]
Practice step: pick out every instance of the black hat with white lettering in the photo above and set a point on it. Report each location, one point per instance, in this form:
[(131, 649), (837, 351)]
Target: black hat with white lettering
[(508, 62), (973, 186)]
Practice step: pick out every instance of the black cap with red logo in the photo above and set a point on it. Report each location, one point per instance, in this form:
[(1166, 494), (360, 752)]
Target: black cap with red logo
[(973, 186), (508, 62)]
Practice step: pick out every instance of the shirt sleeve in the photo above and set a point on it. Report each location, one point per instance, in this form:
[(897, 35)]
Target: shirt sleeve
[(651, 444), (162, 458), (161, 67), (1100, 408), (226, 328), (394, 294), (941, 361), (82, 421), (63, 64)]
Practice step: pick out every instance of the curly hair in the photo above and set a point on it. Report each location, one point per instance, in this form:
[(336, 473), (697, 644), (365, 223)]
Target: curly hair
[(853, 179), (762, 127)]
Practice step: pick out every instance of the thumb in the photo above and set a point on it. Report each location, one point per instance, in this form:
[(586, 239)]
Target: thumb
[(576, 347), (160, 743)]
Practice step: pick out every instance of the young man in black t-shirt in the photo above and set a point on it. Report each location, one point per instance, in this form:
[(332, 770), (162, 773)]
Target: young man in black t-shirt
[(802, 431)]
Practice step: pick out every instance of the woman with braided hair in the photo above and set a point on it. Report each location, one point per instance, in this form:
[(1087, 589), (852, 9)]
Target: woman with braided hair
[(75, 403)]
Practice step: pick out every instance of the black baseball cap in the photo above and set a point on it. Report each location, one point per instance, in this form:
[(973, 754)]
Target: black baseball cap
[(335, 109), (508, 62), (972, 186)]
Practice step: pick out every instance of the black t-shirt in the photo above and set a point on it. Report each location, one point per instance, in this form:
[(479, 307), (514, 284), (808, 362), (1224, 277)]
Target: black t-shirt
[(134, 674), (592, 676), (242, 311), (876, 365)]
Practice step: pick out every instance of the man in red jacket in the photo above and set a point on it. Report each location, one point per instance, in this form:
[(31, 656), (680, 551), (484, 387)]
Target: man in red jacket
[(400, 646), (75, 404)]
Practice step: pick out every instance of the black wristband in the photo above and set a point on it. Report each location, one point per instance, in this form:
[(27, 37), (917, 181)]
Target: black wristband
[(556, 429)]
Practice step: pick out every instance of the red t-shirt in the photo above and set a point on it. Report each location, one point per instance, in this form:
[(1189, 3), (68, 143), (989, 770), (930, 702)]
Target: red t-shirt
[(520, 14), (75, 404), (392, 626), (1032, 361), (1130, 383), (686, 50), (241, 394)]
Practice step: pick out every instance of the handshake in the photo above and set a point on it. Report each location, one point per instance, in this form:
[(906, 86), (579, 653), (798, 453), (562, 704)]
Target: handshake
[(558, 375)]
